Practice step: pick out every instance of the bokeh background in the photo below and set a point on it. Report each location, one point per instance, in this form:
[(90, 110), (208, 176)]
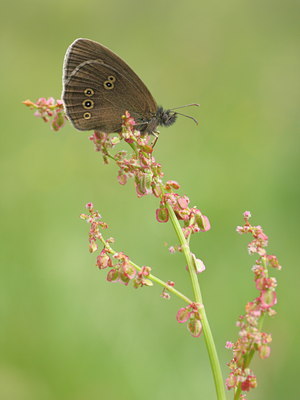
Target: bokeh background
[(65, 332)]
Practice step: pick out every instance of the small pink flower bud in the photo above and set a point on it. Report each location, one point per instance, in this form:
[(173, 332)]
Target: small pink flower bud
[(93, 246), (183, 202), (165, 295), (143, 183), (183, 315), (89, 206), (260, 283), (103, 260), (268, 298), (274, 262), (172, 185), (123, 278), (231, 381), (249, 383), (229, 345), (147, 282), (206, 224), (171, 283), (202, 221), (28, 103), (50, 102), (162, 214), (264, 351), (240, 229), (247, 214), (195, 327), (128, 271), (198, 264), (265, 283), (112, 275), (122, 178), (58, 121), (145, 271), (157, 191)]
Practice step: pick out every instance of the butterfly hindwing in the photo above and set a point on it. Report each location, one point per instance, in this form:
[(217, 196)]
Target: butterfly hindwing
[(99, 87)]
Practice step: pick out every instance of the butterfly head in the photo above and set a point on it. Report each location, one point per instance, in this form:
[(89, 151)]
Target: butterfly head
[(160, 117), (165, 117)]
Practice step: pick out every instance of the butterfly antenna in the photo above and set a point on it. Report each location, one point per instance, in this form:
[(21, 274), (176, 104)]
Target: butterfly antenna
[(187, 105), (188, 116)]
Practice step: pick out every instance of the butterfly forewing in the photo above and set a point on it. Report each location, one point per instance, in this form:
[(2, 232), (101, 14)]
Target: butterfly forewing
[(99, 87)]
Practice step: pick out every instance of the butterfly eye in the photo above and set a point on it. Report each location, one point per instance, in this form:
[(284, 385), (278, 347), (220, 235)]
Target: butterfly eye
[(87, 104), (87, 115), (89, 92), (111, 78), (108, 85)]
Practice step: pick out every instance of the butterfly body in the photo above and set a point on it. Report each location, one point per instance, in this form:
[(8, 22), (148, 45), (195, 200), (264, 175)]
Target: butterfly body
[(98, 87)]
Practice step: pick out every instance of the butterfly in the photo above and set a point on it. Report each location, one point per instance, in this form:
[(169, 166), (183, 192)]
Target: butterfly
[(98, 87)]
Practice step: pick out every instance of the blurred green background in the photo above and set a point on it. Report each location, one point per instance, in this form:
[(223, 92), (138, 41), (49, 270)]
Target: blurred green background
[(65, 332)]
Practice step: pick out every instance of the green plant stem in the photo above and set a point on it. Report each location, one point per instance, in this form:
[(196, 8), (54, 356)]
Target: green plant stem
[(110, 156), (210, 345), (238, 392), (153, 278), (133, 146)]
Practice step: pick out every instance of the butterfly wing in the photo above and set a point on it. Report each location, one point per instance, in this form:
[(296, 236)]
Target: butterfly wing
[(99, 87)]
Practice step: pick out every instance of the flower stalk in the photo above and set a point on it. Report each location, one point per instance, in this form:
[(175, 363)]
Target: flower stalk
[(186, 221), (210, 344), (251, 337)]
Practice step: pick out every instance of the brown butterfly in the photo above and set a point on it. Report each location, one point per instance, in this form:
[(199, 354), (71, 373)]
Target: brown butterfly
[(98, 87)]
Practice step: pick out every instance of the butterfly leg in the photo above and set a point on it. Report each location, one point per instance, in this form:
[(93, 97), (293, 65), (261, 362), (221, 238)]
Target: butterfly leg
[(155, 134)]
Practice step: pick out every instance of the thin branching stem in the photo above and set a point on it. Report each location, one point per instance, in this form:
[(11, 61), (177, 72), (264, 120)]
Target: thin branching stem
[(210, 345)]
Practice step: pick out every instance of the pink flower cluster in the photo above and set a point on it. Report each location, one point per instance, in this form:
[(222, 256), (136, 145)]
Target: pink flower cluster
[(120, 268), (122, 271), (191, 315), (103, 142), (143, 168), (95, 221), (251, 338), (49, 110), (140, 165), (194, 220), (165, 294), (128, 127), (147, 175)]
